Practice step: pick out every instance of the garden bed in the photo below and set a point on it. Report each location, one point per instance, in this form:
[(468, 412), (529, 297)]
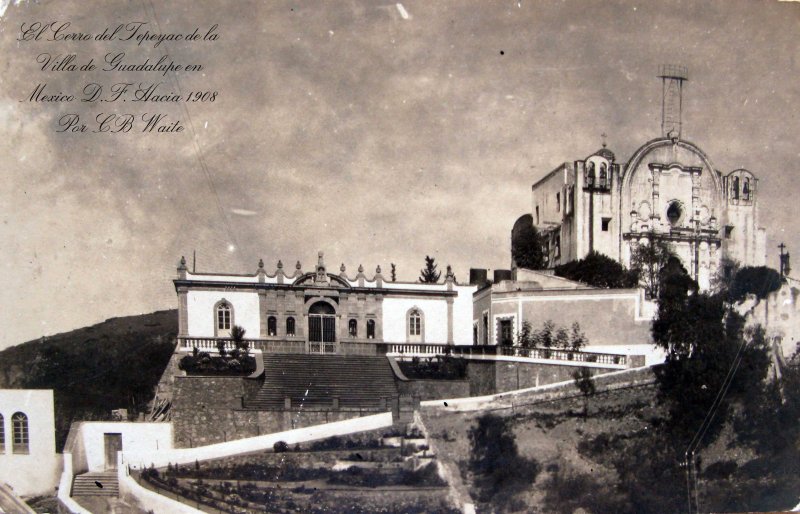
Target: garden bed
[(434, 368), (231, 364)]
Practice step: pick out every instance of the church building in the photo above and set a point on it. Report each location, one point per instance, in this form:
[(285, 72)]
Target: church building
[(668, 190)]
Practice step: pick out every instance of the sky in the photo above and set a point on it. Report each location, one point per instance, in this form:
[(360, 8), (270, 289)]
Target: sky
[(376, 132)]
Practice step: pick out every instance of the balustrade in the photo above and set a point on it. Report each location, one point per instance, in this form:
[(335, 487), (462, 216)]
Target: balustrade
[(415, 349)]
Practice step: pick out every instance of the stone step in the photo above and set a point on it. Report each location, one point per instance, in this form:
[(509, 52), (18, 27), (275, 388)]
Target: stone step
[(315, 380), (89, 484)]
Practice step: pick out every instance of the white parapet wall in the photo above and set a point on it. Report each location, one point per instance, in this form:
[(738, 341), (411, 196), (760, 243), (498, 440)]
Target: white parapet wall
[(65, 486), (140, 459), (150, 500)]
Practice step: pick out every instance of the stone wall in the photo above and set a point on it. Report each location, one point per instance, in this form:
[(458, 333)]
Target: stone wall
[(202, 409), (482, 377), (491, 377), (521, 375), (208, 410), (434, 389)]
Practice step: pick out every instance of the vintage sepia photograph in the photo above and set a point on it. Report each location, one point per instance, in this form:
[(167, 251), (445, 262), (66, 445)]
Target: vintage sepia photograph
[(424, 256)]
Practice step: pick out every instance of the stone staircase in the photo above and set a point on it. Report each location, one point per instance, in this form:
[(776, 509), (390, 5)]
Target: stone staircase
[(317, 381), (96, 484)]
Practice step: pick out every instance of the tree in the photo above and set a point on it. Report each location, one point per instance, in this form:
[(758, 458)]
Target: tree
[(239, 344), (577, 340), (647, 261), (429, 274), (705, 341), (526, 248), (598, 270), (525, 336), (585, 384), (500, 472), (545, 338), (757, 280)]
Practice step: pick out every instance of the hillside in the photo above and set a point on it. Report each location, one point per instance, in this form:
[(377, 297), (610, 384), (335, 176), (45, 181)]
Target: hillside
[(618, 456), (114, 364)]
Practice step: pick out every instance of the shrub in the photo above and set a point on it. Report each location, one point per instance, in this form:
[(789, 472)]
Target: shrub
[(280, 447)]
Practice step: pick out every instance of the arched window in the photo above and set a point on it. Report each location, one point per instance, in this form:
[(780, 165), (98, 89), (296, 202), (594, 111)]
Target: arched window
[(603, 176), (352, 328), (290, 326), (746, 190), (272, 326), (415, 326), (2, 435), (224, 323), (19, 427), (370, 329), (590, 175), (735, 188)]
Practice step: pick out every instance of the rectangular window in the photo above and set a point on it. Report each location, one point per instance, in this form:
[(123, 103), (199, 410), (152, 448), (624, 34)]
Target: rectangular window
[(224, 319), (485, 329), (606, 223), (537, 214), (2, 435), (416, 327), (505, 335), (558, 202)]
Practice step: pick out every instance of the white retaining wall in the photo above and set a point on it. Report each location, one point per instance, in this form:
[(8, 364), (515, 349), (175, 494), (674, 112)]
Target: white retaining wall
[(143, 459)]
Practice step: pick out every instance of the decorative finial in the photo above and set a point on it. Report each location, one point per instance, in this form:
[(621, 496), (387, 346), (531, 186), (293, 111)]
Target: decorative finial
[(280, 264), (342, 268), (260, 263), (297, 265), (183, 261), (360, 268), (378, 269), (320, 262), (604, 136)]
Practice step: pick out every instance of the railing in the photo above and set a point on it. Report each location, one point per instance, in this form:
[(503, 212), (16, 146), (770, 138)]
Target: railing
[(565, 355), (410, 349), (209, 344), (431, 350)]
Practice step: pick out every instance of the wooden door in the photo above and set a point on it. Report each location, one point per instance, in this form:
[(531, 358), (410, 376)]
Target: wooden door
[(113, 444)]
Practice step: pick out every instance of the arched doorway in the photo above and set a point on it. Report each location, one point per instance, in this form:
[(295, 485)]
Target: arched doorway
[(322, 328)]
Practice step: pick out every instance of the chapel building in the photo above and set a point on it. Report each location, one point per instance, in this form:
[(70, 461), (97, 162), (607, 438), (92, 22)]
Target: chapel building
[(669, 190)]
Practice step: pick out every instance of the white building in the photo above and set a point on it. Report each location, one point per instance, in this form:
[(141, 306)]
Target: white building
[(321, 312), (28, 460)]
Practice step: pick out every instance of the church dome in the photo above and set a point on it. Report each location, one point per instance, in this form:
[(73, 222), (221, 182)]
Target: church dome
[(605, 153)]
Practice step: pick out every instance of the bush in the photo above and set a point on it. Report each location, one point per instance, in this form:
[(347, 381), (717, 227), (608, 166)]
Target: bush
[(598, 270), (280, 447)]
